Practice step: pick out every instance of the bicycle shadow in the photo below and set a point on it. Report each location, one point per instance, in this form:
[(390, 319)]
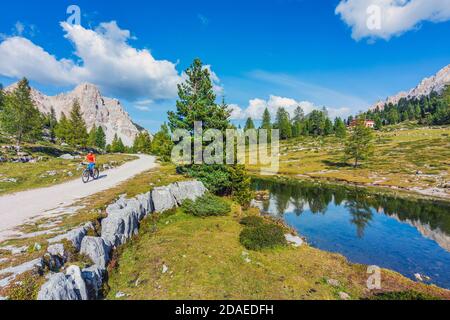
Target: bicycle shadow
[(101, 177)]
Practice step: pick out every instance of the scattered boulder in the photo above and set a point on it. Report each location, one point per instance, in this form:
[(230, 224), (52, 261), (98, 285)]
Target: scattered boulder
[(163, 199), (67, 157), (333, 283), (294, 240), (97, 250), (58, 287), (120, 295), (344, 296)]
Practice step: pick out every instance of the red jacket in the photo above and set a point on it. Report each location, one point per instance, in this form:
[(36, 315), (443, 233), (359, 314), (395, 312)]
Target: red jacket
[(91, 158)]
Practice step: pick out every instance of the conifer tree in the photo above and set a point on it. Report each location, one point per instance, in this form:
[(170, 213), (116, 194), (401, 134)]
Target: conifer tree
[(51, 124), (62, 129), (77, 135), (197, 102), (339, 128), (267, 120), (100, 138), (19, 117), (360, 143), (249, 124), (143, 143), (283, 123), (92, 138)]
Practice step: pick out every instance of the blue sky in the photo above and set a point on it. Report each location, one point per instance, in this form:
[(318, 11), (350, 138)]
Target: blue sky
[(264, 53)]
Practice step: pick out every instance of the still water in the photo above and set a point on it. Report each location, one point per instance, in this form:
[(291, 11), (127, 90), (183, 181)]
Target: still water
[(409, 237)]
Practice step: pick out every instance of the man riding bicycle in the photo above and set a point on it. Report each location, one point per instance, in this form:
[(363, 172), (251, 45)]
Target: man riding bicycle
[(91, 171), (91, 159)]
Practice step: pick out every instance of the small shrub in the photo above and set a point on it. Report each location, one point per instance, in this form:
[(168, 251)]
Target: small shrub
[(264, 236), (252, 221), (207, 206)]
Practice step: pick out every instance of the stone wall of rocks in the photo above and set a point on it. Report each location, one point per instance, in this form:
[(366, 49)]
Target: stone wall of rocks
[(121, 224)]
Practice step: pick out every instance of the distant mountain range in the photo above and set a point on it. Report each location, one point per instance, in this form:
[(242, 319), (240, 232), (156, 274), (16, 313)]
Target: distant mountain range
[(97, 110), (435, 83)]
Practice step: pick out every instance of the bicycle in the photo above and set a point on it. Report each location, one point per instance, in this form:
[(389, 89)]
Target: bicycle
[(90, 173)]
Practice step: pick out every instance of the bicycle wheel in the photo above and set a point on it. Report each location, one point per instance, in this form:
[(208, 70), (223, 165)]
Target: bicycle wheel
[(95, 174), (86, 176)]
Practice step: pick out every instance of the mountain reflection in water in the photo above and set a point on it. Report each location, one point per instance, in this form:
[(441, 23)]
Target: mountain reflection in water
[(409, 236)]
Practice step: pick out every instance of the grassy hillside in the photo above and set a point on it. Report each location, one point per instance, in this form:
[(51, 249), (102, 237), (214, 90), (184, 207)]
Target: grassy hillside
[(49, 169), (205, 260), (405, 157)]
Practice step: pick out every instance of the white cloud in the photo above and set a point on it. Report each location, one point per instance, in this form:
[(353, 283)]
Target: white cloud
[(106, 59), (395, 18), (143, 105), (217, 86), (256, 108), (20, 57)]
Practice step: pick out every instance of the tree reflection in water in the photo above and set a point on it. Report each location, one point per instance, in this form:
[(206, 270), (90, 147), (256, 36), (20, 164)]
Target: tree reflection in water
[(361, 204)]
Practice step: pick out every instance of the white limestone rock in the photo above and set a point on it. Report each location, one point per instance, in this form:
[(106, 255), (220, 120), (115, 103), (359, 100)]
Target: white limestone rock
[(97, 250), (75, 236), (163, 199), (93, 277), (58, 287), (73, 274), (184, 190)]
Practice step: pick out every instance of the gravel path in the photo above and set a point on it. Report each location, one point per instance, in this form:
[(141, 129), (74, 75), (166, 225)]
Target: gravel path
[(17, 209)]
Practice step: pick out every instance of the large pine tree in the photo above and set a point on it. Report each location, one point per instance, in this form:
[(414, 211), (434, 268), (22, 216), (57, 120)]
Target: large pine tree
[(19, 117), (197, 102)]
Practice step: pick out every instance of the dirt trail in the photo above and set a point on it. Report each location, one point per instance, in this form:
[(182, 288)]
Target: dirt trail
[(17, 209)]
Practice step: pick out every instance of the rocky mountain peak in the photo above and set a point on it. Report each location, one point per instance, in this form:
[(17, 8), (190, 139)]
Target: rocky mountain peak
[(97, 110), (436, 83)]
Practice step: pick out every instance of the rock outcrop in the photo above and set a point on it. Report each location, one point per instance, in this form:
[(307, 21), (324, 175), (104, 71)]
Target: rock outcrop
[(187, 190), (97, 250), (163, 199), (121, 224), (74, 236), (58, 287)]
